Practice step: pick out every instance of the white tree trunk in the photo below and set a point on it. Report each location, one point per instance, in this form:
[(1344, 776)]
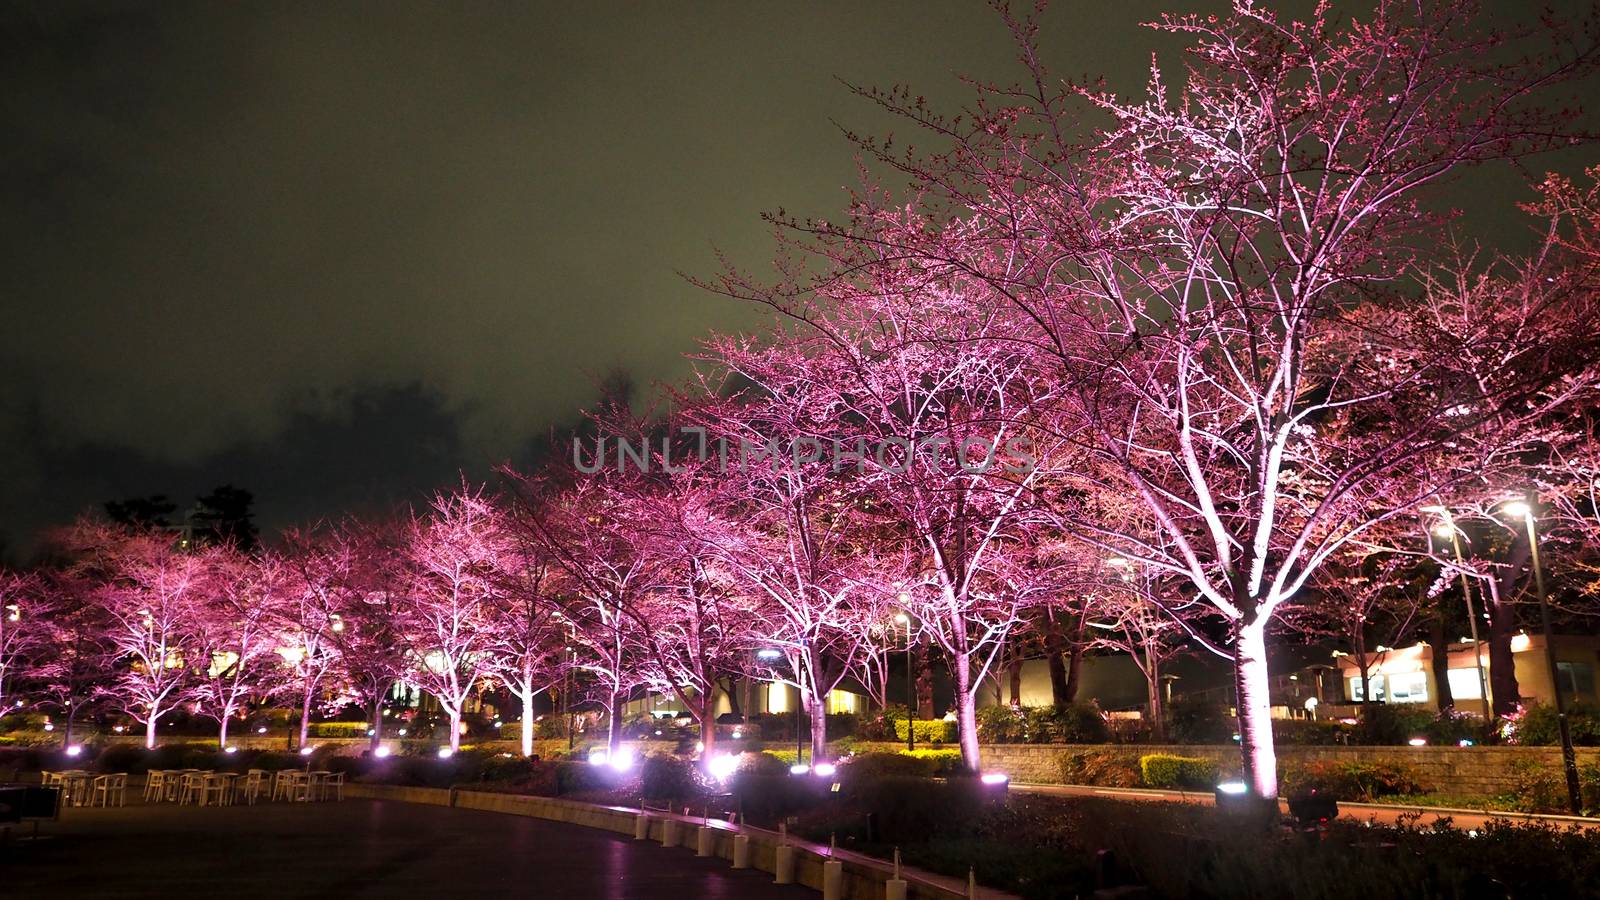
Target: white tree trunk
[(150, 733), (817, 712), (1255, 711), (527, 721), (222, 732), (455, 728), (966, 714)]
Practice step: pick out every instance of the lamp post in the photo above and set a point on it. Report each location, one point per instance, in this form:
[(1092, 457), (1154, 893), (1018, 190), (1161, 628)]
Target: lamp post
[(1569, 760), (911, 688), (1449, 525)]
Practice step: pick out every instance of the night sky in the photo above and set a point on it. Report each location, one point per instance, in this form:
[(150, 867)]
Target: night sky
[(336, 252)]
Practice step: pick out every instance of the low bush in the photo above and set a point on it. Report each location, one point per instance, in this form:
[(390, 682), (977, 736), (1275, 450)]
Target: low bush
[(338, 729), (1309, 733), (1537, 726), (928, 731), (879, 765), (669, 779), (1383, 724), (1002, 724), (766, 800), (1104, 768), (1074, 723), (1194, 721), (1191, 773), (1351, 781), (762, 763)]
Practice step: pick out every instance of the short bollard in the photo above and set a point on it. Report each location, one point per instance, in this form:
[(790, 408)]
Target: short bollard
[(895, 888), (741, 851), (641, 827), (669, 832), (706, 842), (783, 869), (832, 880)]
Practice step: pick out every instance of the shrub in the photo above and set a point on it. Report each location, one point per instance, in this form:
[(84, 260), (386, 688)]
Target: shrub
[(1352, 781), (668, 778), (1537, 787), (1002, 725), (879, 726), (1537, 726), (907, 809), (1192, 773), (1452, 726), (879, 765), (1386, 725), (1308, 733), (761, 762), (766, 800), (1075, 723), (1103, 768), (338, 729), (943, 763), (928, 731)]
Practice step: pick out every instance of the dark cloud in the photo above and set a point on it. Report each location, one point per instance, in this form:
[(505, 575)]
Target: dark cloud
[(236, 235)]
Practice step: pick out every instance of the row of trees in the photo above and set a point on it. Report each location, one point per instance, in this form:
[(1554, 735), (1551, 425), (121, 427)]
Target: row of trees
[(1189, 367)]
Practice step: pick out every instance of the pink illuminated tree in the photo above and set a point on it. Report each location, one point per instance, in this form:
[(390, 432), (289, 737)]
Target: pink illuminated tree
[(452, 557), (531, 655), (318, 568), (149, 588), (1221, 285), (26, 608), (233, 631)]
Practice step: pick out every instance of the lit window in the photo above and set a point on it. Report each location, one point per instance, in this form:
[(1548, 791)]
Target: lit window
[(1411, 687), (1377, 688), (1464, 684), (843, 702)]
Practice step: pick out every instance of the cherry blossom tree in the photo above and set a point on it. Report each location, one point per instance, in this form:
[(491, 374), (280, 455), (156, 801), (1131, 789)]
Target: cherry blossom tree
[(532, 654), (318, 568), (149, 588), (73, 673), (26, 606), (1220, 284), (452, 558), (234, 634)]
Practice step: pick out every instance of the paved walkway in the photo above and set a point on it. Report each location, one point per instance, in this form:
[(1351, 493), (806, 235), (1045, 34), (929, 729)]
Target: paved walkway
[(356, 849)]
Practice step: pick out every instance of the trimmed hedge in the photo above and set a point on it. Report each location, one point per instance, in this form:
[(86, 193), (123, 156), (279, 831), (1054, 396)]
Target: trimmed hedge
[(928, 731), (1192, 773)]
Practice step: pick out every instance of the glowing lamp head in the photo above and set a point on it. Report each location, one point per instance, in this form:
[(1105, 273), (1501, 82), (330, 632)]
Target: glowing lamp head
[(769, 654), (230, 749), (1444, 531), (75, 750), (1231, 787), (599, 757), (1517, 509), (446, 753), (722, 766), (824, 770), (306, 751), (381, 752), (371, 732), (49, 726), (403, 732), (1464, 742), (902, 619), (622, 760), (1418, 742), (261, 730), (799, 769), (994, 778)]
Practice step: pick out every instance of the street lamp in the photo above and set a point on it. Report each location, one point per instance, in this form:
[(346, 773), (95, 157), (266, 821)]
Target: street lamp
[(1447, 528), (1569, 759), (911, 689)]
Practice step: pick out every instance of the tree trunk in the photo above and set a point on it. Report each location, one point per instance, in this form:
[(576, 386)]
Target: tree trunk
[(1251, 684), (527, 721), (966, 714), (455, 728), (376, 738), (150, 733), (1016, 682), (924, 707), (1503, 686), (1055, 650), (1158, 728), (613, 723), (1069, 691), (72, 716), (305, 717), (1439, 643), (817, 712), (708, 730), (222, 732)]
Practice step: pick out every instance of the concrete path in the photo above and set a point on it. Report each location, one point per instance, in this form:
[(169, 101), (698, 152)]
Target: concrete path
[(356, 849)]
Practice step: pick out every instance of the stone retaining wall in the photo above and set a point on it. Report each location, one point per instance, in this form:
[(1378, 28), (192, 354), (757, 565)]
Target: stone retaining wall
[(863, 878)]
